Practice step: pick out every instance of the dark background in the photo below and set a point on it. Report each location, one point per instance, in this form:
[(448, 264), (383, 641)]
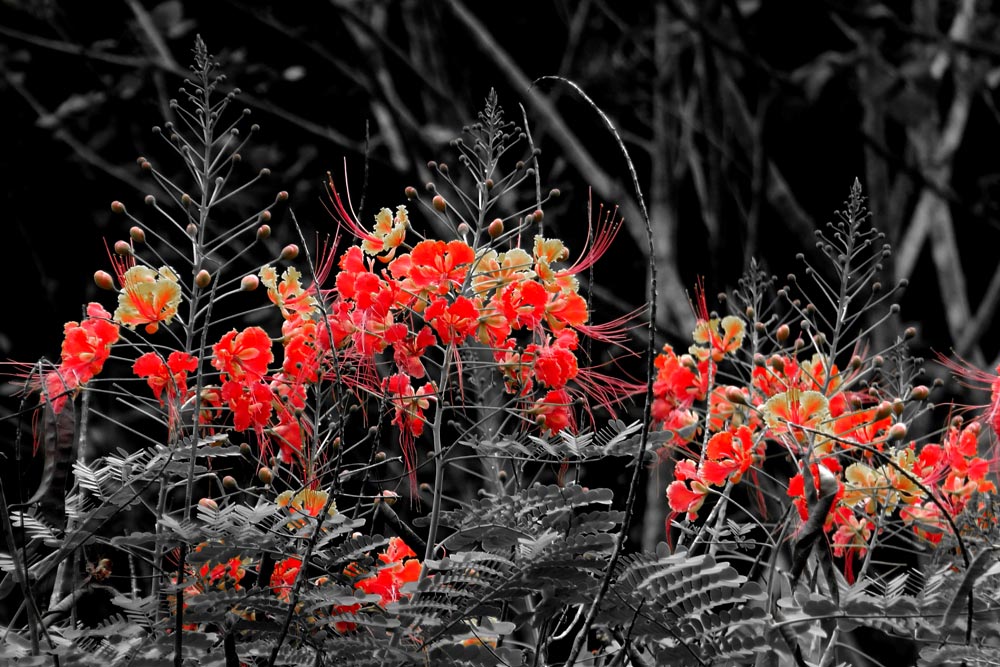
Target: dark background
[(747, 123)]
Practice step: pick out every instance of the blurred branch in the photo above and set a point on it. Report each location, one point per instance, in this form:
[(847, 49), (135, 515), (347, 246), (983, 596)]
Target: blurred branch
[(60, 132)]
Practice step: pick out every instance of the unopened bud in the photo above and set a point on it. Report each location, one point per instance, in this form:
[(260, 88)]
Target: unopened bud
[(192, 229), (439, 203), (104, 280), (750, 312), (855, 362), (910, 332), (759, 360), (777, 363), (463, 228), (489, 183), (495, 229), (555, 193), (229, 483), (249, 283), (290, 252), (149, 200), (265, 216), (117, 207), (410, 192), (781, 335), (265, 475), (883, 410), (123, 248), (388, 497), (282, 196), (379, 457), (245, 449), (539, 215), (425, 487), (919, 393), (203, 279), (502, 475), (897, 432), (137, 234), (263, 232), (209, 504), (735, 396)]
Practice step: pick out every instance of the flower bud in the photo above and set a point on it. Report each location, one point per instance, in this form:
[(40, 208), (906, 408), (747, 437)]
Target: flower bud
[(192, 229), (229, 483), (439, 203), (104, 280), (123, 248), (463, 228), (245, 449), (265, 475), (137, 234), (777, 363), (554, 193), (379, 457), (883, 410), (117, 207), (735, 396), (897, 407), (539, 215), (209, 504), (425, 487), (919, 393), (282, 196), (186, 199), (388, 497), (249, 283), (495, 229), (263, 232), (203, 279), (897, 432), (489, 183), (265, 216), (410, 192), (149, 200), (290, 252)]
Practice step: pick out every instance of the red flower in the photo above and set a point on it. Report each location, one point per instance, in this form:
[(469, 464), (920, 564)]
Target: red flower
[(86, 346), (250, 403), (387, 582), (453, 322), (438, 267), (684, 498), (243, 356), (555, 363), (728, 455), (283, 577), (407, 352), (523, 303), (170, 376), (553, 411)]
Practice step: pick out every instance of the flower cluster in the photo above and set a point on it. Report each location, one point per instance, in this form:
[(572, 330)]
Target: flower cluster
[(86, 346)]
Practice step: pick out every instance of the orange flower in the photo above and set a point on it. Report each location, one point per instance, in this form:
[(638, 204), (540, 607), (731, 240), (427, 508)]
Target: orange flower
[(147, 296), (401, 568), (706, 332)]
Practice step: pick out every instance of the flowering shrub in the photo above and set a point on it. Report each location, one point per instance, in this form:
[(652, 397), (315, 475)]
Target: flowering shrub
[(236, 522)]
